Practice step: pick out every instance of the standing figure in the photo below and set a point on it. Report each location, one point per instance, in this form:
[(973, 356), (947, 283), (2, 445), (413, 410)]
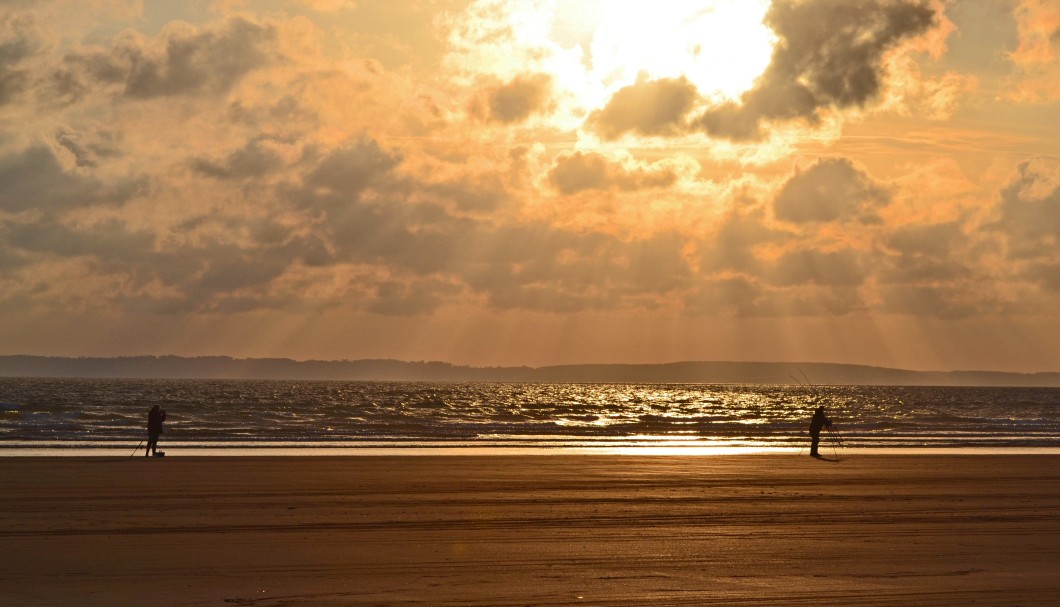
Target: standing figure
[(816, 423), (154, 429)]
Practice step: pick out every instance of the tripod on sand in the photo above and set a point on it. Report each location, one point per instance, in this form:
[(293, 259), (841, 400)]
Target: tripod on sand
[(835, 438)]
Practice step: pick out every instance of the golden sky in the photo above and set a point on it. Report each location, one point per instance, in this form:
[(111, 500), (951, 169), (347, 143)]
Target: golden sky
[(507, 182)]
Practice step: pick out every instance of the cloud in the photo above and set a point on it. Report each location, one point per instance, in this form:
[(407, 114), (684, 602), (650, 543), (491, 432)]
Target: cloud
[(19, 41), (649, 107), (535, 267), (1038, 54), (926, 253), (111, 241), (939, 301), (352, 168), (743, 297), (1030, 217), (34, 179), (373, 215), (845, 268), (416, 297), (520, 98), (934, 270), (255, 159), (69, 140), (330, 6), (1046, 274), (833, 189), (579, 172), (829, 54), (912, 92), (738, 296), (360, 203), (731, 246), (183, 60), (590, 171)]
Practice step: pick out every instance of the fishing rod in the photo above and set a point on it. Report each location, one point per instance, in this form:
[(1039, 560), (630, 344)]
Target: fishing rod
[(816, 397), (803, 448), (810, 383), (136, 449)]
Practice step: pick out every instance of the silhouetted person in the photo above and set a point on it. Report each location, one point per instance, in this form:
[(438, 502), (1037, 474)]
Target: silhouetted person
[(154, 429), (816, 423)]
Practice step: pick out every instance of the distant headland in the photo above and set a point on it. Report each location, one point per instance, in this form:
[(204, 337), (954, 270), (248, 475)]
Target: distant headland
[(223, 367)]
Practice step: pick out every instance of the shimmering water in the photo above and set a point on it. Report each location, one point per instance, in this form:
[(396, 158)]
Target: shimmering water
[(66, 413)]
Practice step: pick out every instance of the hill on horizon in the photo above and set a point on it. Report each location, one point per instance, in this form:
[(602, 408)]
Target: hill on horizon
[(704, 372)]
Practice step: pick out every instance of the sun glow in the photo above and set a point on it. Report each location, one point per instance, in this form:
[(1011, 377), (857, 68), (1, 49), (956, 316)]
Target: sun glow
[(721, 46)]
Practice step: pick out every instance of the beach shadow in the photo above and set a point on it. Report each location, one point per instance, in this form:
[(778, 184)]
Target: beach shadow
[(833, 460), (114, 459)]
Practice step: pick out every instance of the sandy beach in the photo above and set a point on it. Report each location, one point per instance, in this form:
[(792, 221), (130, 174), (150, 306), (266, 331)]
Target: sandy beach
[(534, 530)]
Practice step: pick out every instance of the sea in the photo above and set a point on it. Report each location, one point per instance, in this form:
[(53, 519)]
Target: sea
[(240, 417)]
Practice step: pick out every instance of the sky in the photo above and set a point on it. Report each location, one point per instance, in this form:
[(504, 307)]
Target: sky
[(533, 182)]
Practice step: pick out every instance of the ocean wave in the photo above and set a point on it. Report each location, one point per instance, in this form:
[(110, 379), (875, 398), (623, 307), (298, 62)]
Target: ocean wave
[(102, 410)]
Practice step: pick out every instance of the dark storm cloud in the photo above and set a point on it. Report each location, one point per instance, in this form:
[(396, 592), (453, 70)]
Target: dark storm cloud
[(34, 179), (519, 99), (183, 62), (649, 107), (833, 189), (829, 55), (588, 171)]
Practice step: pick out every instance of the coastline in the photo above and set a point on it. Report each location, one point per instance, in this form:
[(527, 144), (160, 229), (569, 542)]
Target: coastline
[(925, 529)]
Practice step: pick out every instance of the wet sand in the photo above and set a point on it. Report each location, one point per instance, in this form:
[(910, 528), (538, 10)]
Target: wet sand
[(531, 530)]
